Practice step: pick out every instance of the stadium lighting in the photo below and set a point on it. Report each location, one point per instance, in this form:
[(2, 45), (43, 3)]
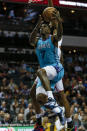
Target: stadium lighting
[(5, 8), (72, 11), (74, 51), (72, 3), (69, 51)]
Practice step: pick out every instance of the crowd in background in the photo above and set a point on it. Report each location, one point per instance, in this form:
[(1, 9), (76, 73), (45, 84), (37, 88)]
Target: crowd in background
[(75, 84), (17, 79), (15, 84)]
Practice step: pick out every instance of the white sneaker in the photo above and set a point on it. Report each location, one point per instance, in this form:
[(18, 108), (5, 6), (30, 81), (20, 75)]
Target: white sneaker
[(61, 117), (51, 104), (58, 125)]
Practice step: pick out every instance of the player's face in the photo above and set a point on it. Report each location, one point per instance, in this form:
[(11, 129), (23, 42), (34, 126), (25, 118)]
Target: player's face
[(44, 29)]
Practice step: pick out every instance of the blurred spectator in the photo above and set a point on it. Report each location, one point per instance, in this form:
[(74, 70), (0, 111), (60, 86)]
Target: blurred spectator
[(14, 107), (27, 111), (11, 14), (2, 94), (4, 83), (85, 110), (29, 114), (78, 68), (85, 85), (3, 106), (84, 121), (77, 122), (46, 123), (23, 65), (11, 85), (7, 119), (20, 118), (2, 117), (23, 102)]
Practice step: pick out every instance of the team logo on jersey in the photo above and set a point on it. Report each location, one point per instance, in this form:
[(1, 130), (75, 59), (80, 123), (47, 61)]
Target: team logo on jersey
[(45, 45)]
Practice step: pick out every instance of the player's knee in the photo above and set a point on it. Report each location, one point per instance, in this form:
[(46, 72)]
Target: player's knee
[(41, 72), (41, 98)]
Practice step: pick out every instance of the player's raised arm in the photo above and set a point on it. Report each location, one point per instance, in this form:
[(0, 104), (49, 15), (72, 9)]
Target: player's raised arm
[(50, 3), (60, 29), (56, 22), (33, 35)]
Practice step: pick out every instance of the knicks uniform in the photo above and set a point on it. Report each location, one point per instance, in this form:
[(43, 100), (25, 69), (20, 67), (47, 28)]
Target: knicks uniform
[(48, 59)]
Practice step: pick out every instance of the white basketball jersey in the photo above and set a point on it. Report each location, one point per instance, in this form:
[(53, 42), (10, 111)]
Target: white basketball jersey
[(59, 50)]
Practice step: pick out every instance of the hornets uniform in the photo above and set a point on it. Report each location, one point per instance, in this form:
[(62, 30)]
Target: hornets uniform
[(47, 54)]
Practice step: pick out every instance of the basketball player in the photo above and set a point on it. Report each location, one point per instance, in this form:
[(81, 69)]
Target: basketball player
[(51, 68), (63, 99), (47, 55), (60, 89)]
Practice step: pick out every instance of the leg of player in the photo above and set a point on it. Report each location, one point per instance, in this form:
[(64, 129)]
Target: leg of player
[(64, 102), (51, 72), (52, 104), (36, 106), (42, 98), (61, 98), (45, 82)]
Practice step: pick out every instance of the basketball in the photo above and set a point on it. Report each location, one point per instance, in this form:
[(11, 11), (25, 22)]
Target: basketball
[(47, 13)]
